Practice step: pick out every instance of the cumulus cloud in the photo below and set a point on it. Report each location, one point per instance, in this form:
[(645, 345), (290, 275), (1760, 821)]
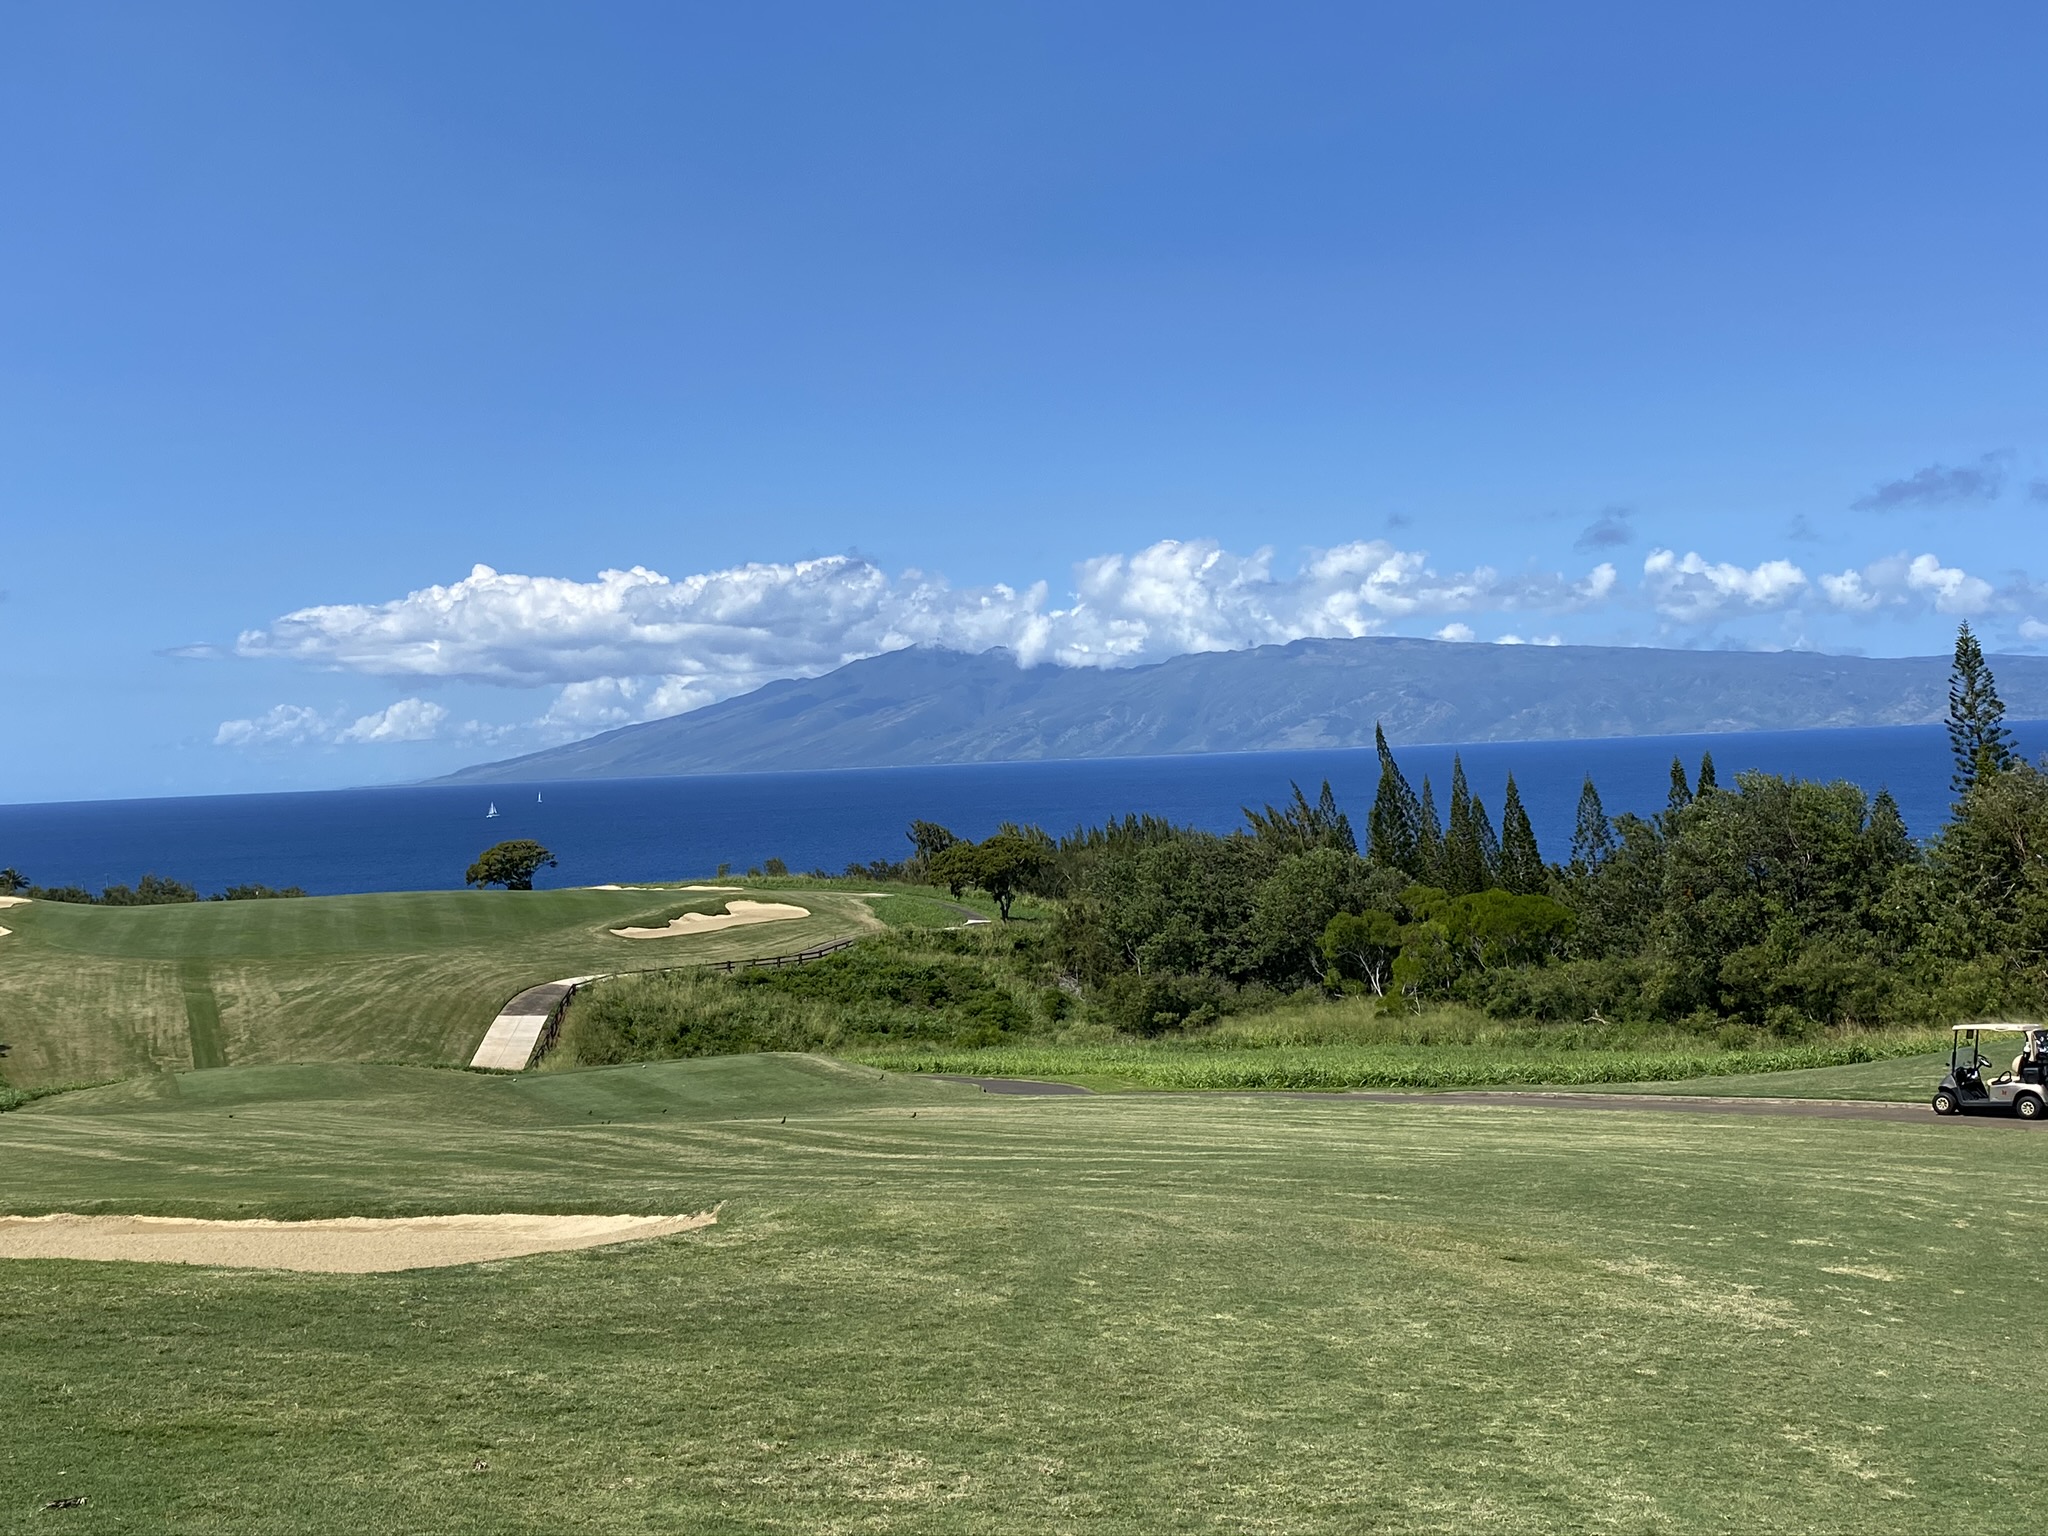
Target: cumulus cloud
[(295, 724), (633, 645), (407, 720), (1691, 589), (1938, 485), (283, 724), (1916, 584), (1609, 530), (704, 637)]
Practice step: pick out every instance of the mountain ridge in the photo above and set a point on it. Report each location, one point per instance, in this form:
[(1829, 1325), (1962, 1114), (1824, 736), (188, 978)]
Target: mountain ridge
[(925, 706)]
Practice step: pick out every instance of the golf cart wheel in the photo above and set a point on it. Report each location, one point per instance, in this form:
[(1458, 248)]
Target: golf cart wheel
[(1945, 1103), (2028, 1106)]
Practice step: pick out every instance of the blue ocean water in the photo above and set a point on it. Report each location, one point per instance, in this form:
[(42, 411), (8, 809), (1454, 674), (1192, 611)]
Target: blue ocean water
[(648, 829)]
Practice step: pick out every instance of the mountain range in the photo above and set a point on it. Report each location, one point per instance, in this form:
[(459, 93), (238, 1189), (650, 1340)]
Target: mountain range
[(923, 705)]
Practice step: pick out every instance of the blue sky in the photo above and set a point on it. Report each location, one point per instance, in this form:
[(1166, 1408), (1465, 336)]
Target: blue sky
[(1101, 331)]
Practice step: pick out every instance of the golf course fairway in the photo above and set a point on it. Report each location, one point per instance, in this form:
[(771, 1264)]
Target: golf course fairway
[(927, 1309), (102, 992)]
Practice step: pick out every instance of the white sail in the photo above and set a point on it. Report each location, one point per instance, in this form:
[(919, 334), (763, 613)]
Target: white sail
[(492, 811)]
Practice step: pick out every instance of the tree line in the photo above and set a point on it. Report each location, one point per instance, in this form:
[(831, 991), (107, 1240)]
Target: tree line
[(150, 891), (1774, 903)]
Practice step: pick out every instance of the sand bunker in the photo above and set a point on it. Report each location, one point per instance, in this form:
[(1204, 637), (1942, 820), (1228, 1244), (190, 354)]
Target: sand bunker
[(737, 914), (350, 1245), (664, 887)]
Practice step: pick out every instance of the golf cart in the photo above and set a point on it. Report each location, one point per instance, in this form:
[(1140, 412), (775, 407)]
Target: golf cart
[(1969, 1088)]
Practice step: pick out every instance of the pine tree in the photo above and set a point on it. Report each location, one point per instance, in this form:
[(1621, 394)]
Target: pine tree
[(1976, 716), (1679, 797), (1464, 858), (1885, 834), (1521, 861), (1393, 832), (1592, 836), (1707, 785), (1429, 840), (1489, 846)]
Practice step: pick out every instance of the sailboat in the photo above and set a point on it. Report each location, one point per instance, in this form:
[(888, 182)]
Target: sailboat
[(492, 811), (536, 797)]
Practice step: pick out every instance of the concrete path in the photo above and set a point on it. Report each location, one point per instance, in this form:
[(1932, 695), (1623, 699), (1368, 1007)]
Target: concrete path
[(509, 1043)]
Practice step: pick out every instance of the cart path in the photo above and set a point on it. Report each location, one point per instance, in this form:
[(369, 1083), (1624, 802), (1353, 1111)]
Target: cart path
[(509, 1043), (1474, 1098)]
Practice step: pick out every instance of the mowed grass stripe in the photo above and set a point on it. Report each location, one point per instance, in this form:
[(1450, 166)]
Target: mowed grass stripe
[(98, 992), (202, 1014), (1118, 1314)]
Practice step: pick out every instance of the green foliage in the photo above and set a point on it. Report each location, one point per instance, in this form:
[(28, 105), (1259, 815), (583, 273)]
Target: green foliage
[(1394, 829), (954, 988), (1362, 946), (256, 893), (1004, 866), (1299, 827), (511, 864), (1976, 716), (1520, 865)]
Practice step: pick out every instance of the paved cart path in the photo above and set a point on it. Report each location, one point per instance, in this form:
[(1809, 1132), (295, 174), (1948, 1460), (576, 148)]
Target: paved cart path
[(509, 1042), (1798, 1109)]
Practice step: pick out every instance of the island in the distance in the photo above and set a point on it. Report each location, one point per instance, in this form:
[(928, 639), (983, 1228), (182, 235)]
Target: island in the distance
[(924, 705)]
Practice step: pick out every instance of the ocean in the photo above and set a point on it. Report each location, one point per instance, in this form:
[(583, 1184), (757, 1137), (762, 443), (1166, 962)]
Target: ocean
[(422, 838)]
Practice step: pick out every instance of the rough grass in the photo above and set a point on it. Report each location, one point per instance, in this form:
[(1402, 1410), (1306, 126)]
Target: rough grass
[(953, 989), (1092, 1315), (1183, 1066), (100, 992)]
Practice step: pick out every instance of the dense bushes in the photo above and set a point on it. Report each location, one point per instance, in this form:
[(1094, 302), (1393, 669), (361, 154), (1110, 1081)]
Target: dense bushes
[(957, 989)]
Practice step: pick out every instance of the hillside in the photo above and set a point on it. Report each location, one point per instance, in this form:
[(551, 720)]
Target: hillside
[(930, 706), (414, 976)]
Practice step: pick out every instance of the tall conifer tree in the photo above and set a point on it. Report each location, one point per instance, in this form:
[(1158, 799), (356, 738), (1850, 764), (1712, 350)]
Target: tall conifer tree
[(1592, 836), (1521, 861), (1680, 795), (1393, 832), (1707, 784), (1976, 716), (1464, 856), (1429, 842), (1489, 845)]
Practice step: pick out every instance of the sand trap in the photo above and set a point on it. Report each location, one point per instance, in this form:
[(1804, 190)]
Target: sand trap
[(664, 887), (13, 901), (350, 1245), (737, 914)]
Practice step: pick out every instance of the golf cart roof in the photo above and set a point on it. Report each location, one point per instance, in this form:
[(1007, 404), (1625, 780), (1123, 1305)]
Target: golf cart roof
[(1997, 1029)]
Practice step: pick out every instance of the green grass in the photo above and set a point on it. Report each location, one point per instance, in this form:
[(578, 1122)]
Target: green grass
[(1899, 1079), (1184, 1066), (100, 992), (1136, 1314)]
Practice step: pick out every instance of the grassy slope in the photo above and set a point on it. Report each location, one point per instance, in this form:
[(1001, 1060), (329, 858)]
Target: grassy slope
[(1121, 1315), (98, 992)]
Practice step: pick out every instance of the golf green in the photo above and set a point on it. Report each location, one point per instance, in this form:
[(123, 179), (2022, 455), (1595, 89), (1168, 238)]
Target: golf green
[(928, 1309)]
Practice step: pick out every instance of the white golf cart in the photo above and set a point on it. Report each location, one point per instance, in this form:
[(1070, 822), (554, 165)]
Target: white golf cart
[(1970, 1088)]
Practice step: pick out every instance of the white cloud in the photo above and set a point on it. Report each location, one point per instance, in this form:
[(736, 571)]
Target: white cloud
[(1693, 590), (713, 635), (2033, 629), (283, 724), (295, 724), (635, 644), (407, 720), (1916, 584)]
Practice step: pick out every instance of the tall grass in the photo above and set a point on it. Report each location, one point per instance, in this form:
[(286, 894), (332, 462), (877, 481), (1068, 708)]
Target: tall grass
[(1330, 1067)]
